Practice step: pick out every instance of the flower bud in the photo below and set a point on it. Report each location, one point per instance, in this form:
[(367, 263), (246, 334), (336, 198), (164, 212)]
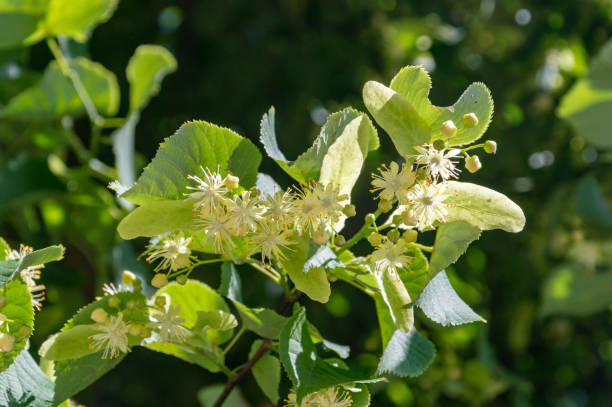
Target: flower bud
[(410, 235), (490, 147), (99, 315), (320, 236), (114, 302), (145, 332), (160, 301), (470, 120), (134, 329), (369, 219), (7, 342), (232, 182), (159, 280), (375, 239), (409, 218), (393, 235), (339, 240), (473, 164), (182, 279), (128, 277), (182, 260), (439, 144), (448, 128), (398, 219), (385, 205), (131, 304), (2, 301), (349, 210), (24, 332)]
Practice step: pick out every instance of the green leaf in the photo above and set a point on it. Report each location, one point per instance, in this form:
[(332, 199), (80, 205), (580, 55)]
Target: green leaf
[(591, 204), (4, 249), (308, 165), (16, 28), (396, 116), (407, 354), (24, 384), (313, 282), (417, 272), (360, 395), (156, 218), (77, 19), (482, 207), (571, 290), (231, 284), (194, 144), (263, 321), (341, 165), (19, 314), (123, 148), (441, 304), (267, 372), (209, 394), (54, 96), (307, 371), (215, 319), (145, 72), (69, 344), (7, 270), (385, 320), (452, 240), (42, 256), (193, 297), (588, 104), (398, 300)]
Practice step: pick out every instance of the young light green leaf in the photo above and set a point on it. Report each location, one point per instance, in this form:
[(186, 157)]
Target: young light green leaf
[(42, 256), (157, 217), (407, 354), (145, 72), (588, 104), (267, 373), (481, 207), (19, 314), (263, 321), (341, 165), (396, 116), (417, 272), (69, 344), (24, 384), (571, 290), (193, 297), (54, 96), (4, 249), (452, 240), (193, 145), (385, 320), (77, 19), (231, 284), (215, 319), (441, 304), (398, 300), (308, 165), (16, 28), (312, 282)]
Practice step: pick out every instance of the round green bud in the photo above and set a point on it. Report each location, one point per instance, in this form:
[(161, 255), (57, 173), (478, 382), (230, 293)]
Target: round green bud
[(7, 342), (99, 315), (448, 128), (128, 277), (232, 182), (409, 218), (385, 205), (375, 239), (473, 164), (410, 235), (339, 240), (490, 147), (369, 219), (393, 235), (439, 144), (349, 210), (320, 236), (470, 120), (114, 302), (398, 219), (159, 280), (182, 279), (160, 301), (135, 329)]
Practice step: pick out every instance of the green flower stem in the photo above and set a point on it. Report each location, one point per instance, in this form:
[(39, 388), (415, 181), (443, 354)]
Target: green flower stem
[(422, 247), (234, 339), (90, 107), (273, 274), (362, 233), (189, 269), (481, 145)]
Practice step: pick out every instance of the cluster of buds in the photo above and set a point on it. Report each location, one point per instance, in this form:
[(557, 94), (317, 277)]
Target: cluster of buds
[(331, 397), (264, 223), (29, 275)]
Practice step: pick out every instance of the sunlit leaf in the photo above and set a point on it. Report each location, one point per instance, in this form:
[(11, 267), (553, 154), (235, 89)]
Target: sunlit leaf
[(452, 240), (407, 354), (267, 372)]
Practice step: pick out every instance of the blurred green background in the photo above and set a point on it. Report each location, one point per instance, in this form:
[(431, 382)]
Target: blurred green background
[(546, 292)]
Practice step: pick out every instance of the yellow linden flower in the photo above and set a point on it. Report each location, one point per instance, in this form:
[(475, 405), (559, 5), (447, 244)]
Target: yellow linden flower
[(439, 163), (173, 251), (271, 240), (169, 324), (210, 191), (392, 181), (113, 338), (426, 203), (244, 213)]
